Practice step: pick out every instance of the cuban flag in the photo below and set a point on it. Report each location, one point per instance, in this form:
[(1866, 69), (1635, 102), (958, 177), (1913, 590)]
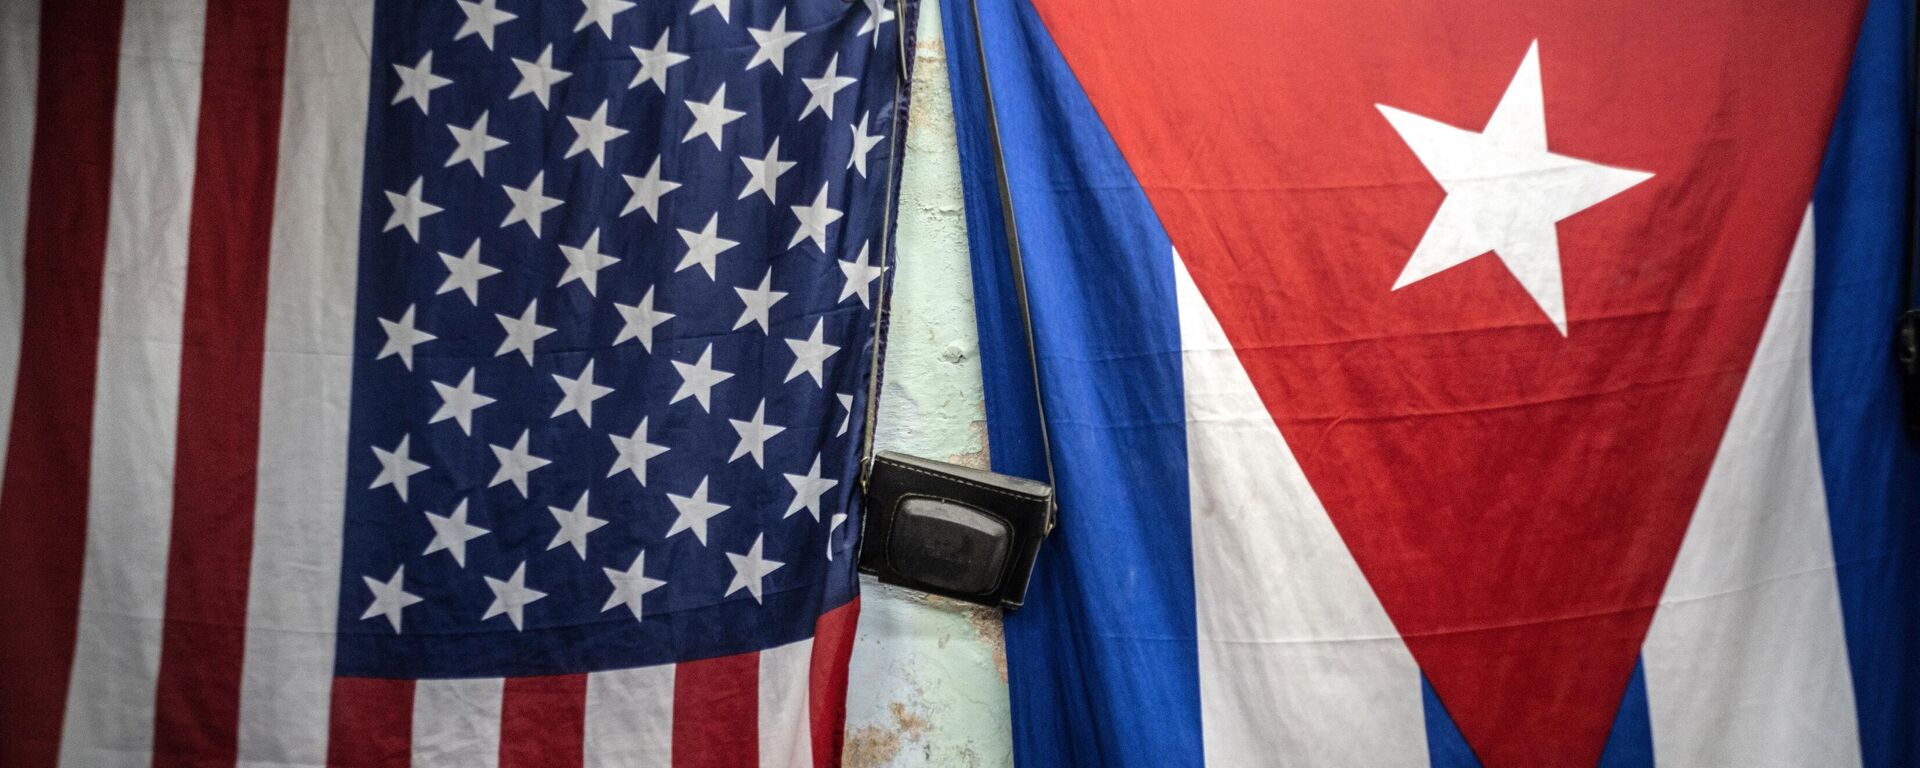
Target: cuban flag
[(1495, 383), (465, 383)]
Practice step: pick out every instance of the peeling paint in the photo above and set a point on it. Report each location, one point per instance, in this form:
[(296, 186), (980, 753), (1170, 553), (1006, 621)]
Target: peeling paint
[(928, 684)]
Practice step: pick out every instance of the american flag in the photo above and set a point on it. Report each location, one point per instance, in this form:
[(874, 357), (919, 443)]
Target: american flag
[(436, 382)]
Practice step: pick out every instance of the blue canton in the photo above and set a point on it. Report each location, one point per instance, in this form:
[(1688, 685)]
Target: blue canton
[(614, 329)]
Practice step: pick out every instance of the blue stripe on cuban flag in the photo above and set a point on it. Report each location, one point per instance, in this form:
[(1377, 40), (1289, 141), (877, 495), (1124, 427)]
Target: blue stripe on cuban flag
[(1152, 638)]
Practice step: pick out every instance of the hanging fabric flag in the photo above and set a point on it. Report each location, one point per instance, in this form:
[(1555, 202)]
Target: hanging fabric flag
[(1453, 384), (451, 383)]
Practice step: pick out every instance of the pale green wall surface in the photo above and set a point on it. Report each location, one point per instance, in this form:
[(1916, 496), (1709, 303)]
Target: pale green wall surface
[(929, 680)]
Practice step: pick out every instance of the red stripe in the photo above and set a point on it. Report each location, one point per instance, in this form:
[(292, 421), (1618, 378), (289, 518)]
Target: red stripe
[(543, 722), (716, 713), (371, 723), (197, 694), (827, 681), (43, 502)]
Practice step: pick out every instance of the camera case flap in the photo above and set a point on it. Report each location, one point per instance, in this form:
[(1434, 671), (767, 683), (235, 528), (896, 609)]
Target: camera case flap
[(955, 531)]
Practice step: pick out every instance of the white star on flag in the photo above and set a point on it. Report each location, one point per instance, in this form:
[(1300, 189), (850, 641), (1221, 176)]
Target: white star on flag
[(810, 355), (814, 218), (630, 585), (822, 89), (471, 145), (1505, 191), (538, 77), (600, 13), (697, 380), (396, 466), (529, 203), (451, 533), (409, 209), (591, 135), (710, 117), (654, 63), (704, 247), (585, 262), (807, 490), (515, 464), (418, 82), (464, 273), (512, 596), (754, 435), (771, 44), (694, 511), (751, 569), (577, 395), (632, 453), (758, 303), (402, 337), (522, 332), (639, 321), (647, 191), (575, 524), (389, 598), (458, 402), (482, 17)]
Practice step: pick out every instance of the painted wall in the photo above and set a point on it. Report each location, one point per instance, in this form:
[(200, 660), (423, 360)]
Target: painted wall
[(929, 678)]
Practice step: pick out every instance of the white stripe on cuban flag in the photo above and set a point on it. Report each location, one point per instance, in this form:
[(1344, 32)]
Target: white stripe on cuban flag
[(19, 65), (1294, 648), (1749, 627), (306, 372), (110, 698)]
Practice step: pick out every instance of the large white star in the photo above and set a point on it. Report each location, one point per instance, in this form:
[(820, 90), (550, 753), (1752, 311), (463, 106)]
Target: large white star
[(704, 247), (640, 320), (464, 273), (810, 355), (538, 77), (710, 117), (471, 145), (482, 17), (402, 337), (515, 464), (764, 173), (600, 13), (633, 452), (396, 466), (647, 191), (418, 82), (512, 596), (750, 570), (630, 585), (451, 533), (529, 203), (654, 63), (694, 511), (409, 209), (814, 218), (577, 394), (575, 524), (585, 262), (522, 332), (771, 44), (1505, 191), (697, 380), (822, 89), (758, 303), (754, 435), (591, 135), (859, 277), (389, 598), (458, 402), (807, 490)]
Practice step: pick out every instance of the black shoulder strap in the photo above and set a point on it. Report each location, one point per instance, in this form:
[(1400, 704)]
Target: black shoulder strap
[(1019, 268), (1014, 260)]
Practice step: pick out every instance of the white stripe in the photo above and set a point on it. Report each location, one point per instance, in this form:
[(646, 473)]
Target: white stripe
[(306, 374), (1297, 657), (109, 719), (1746, 658), (630, 718), (456, 723), (786, 732), (19, 64)]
